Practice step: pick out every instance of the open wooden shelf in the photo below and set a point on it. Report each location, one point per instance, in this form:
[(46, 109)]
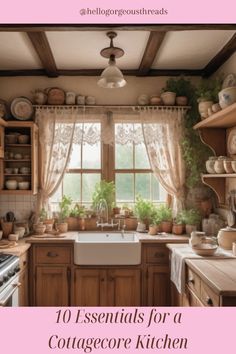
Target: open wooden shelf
[(219, 175), (16, 191), (18, 145), (226, 118)]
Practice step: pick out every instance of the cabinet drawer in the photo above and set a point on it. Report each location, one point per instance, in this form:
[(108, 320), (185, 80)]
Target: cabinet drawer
[(208, 296), (23, 260), (53, 255), (190, 299), (156, 254), (193, 281)]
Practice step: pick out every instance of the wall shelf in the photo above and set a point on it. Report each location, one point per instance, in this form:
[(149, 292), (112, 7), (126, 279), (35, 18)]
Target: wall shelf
[(226, 118), (213, 133)]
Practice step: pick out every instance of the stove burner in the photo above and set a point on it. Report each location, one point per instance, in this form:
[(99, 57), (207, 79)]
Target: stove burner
[(4, 257)]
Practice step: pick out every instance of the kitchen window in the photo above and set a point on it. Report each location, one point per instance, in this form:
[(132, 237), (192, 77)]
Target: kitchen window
[(127, 164), (133, 175)]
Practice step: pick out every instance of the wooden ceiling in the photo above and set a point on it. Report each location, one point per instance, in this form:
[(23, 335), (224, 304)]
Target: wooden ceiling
[(157, 34)]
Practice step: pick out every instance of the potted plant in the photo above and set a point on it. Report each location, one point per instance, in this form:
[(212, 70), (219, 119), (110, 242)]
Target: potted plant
[(191, 218), (115, 209), (183, 89), (142, 211), (155, 222), (64, 212), (178, 224), (165, 214), (104, 191), (168, 97), (207, 93), (76, 217), (43, 218)]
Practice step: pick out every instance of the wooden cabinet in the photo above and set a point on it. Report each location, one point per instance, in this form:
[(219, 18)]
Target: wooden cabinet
[(51, 278), (23, 279), (210, 283), (214, 131), (20, 161), (156, 275), (106, 287)]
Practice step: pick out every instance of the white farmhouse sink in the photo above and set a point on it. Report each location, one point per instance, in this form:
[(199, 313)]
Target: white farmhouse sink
[(103, 248)]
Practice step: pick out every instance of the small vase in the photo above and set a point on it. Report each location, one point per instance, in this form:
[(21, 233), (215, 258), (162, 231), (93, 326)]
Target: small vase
[(203, 108), (181, 101)]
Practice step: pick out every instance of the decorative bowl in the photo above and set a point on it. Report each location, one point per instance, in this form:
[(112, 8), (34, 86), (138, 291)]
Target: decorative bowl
[(205, 249), (11, 184), (11, 139), (24, 185), (23, 139)]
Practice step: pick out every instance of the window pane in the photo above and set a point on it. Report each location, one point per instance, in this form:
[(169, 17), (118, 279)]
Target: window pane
[(124, 187), (158, 192), (71, 186), (142, 185), (75, 157), (91, 155), (124, 156), (141, 158), (88, 185)]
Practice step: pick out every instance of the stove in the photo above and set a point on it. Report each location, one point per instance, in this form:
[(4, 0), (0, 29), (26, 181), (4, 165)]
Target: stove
[(9, 267)]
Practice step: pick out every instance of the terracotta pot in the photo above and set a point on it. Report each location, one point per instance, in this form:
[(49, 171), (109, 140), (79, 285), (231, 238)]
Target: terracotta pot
[(168, 98), (152, 229), (62, 227), (73, 223), (178, 229), (116, 210), (181, 101), (131, 223), (166, 226)]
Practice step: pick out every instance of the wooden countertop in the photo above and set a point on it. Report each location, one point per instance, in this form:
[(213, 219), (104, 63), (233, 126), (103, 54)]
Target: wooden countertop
[(219, 274), (24, 244)]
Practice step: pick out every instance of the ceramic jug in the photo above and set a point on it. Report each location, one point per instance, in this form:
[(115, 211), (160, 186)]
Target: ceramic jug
[(196, 238)]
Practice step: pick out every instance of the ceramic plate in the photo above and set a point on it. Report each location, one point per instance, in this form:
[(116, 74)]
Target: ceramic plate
[(231, 142), (21, 108), (229, 81)]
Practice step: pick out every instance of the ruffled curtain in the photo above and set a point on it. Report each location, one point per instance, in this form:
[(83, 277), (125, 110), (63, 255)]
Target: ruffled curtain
[(163, 132), (59, 129)]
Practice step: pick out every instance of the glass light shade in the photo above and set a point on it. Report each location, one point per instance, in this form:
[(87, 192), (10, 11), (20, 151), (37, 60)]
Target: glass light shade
[(111, 77)]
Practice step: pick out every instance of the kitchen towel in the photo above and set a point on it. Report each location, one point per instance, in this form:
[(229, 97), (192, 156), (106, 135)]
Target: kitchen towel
[(178, 256)]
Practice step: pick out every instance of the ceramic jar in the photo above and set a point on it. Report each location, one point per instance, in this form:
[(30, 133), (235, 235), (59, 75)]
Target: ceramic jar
[(90, 100), (143, 100), (226, 237), (80, 100), (210, 164), (219, 165), (70, 98), (203, 108), (227, 97), (155, 100), (40, 97), (228, 166), (181, 101), (11, 184), (196, 238), (168, 98), (233, 165)]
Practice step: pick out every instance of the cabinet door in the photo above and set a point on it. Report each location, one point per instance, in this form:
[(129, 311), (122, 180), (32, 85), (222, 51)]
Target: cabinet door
[(157, 286), (123, 287), (23, 289), (52, 286), (89, 287)]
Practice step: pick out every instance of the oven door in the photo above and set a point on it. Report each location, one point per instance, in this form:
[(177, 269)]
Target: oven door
[(9, 296)]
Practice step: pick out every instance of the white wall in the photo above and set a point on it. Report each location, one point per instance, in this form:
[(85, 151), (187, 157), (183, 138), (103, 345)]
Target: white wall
[(11, 87)]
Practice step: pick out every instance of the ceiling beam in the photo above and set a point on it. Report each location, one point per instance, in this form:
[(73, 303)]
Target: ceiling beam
[(42, 47), (97, 72), (153, 45), (118, 27), (221, 57)]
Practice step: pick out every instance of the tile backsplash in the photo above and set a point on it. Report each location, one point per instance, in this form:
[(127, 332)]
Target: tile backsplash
[(20, 205)]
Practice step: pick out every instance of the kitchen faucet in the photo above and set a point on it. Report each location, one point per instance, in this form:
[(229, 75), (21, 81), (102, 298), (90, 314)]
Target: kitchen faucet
[(102, 212)]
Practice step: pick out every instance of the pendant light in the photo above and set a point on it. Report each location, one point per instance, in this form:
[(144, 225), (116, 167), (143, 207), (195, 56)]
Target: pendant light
[(112, 77)]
